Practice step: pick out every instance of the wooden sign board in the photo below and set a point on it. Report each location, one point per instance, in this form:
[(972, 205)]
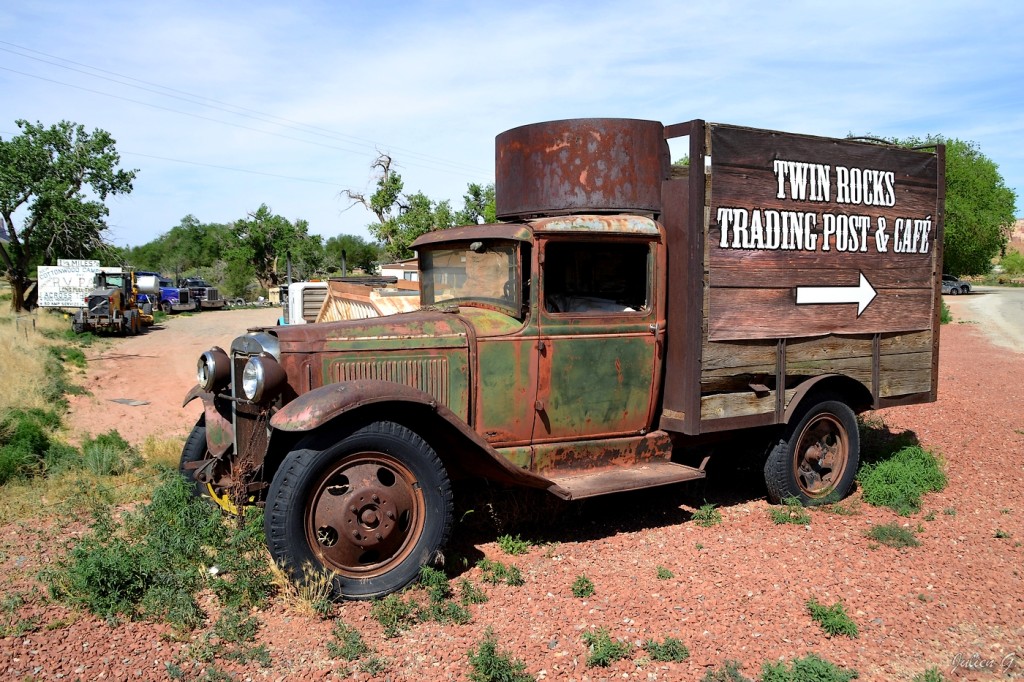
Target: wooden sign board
[(809, 236)]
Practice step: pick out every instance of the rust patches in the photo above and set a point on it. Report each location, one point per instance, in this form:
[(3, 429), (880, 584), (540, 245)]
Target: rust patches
[(610, 453)]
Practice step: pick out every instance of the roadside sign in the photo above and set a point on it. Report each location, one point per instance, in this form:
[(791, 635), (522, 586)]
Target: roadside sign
[(77, 263), (65, 287)]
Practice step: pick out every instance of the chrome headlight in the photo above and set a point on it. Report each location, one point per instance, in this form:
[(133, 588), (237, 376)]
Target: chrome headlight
[(262, 377), (213, 370)]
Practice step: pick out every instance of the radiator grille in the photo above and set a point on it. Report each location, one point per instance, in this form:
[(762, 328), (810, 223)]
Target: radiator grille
[(250, 428), (428, 374)]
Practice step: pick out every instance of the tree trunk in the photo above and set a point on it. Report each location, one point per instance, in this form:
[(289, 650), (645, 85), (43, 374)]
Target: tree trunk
[(17, 293)]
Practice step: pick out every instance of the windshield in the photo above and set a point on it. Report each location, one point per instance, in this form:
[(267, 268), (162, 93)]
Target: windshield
[(106, 280), (478, 272)]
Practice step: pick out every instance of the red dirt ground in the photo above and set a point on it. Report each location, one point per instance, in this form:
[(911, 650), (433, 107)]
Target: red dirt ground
[(739, 588)]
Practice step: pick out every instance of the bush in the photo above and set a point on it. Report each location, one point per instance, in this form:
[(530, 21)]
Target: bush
[(490, 665), (348, 644), (891, 535), (394, 614), (808, 669), (664, 574), (25, 442), (832, 619), (603, 650), (495, 573), (152, 565), (900, 481), (108, 454)]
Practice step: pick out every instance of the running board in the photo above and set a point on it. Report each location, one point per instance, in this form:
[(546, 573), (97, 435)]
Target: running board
[(614, 480)]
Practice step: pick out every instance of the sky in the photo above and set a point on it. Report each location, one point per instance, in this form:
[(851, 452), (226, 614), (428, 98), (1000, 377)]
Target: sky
[(224, 106)]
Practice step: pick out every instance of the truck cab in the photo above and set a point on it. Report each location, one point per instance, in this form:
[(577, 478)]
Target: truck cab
[(622, 315)]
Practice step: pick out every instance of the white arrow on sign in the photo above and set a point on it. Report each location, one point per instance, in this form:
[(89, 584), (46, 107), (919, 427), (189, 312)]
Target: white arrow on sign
[(862, 295)]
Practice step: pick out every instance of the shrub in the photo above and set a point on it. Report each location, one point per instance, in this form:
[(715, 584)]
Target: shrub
[(490, 665), (671, 650), (514, 545), (394, 614), (108, 454), (807, 669), (664, 574), (832, 619), (932, 674), (792, 512), (945, 316), (582, 587), (900, 481), (603, 650), (25, 441), (470, 593), (891, 535), (153, 564), (707, 516)]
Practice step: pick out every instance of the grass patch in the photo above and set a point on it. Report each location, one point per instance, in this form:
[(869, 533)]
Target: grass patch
[(811, 668), (310, 596), (1002, 534), (892, 535), (848, 508), (603, 649), (792, 512), (395, 614), (348, 644), (152, 563), (932, 674), (832, 619), (163, 452), (109, 454), (669, 650), (514, 545), (900, 481), (582, 587), (663, 573), (488, 664), (707, 516), (945, 316)]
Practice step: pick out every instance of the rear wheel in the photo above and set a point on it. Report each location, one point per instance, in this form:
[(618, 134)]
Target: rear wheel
[(369, 510), (816, 459), (166, 307)]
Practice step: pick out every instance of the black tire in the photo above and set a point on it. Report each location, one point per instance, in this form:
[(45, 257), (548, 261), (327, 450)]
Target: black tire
[(817, 457), (370, 509), (955, 291), (965, 290), (195, 450), (166, 307)]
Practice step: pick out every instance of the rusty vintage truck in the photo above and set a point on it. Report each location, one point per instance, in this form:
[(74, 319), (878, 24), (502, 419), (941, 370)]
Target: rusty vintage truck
[(626, 311)]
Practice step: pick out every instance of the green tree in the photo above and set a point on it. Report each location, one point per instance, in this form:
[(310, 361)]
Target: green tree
[(185, 249), (46, 172), (478, 205), (265, 240), (359, 253), (980, 208), (401, 217)]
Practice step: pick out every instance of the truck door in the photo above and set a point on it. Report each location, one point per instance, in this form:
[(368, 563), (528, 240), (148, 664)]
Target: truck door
[(600, 333)]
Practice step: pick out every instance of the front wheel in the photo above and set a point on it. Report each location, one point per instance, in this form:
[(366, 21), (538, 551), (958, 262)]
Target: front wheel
[(816, 459), (368, 510)]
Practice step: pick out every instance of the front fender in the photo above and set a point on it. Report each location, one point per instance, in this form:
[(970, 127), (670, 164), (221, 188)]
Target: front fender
[(319, 406), (219, 434)]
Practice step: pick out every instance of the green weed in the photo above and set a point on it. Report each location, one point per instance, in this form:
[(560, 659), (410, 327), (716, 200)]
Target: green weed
[(900, 481), (436, 583), (664, 574), (1002, 534), (729, 671), (495, 573), (582, 587), (707, 516), (849, 508), (514, 545), (69, 355), (395, 614), (932, 674), (670, 650), (108, 454), (808, 669), (793, 512), (373, 665), (348, 644), (892, 535), (945, 316), (491, 665), (832, 619), (603, 650), (470, 593)]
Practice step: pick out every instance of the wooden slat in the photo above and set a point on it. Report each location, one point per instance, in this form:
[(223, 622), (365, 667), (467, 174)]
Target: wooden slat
[(905, 373), (909, 342), (827, 347)]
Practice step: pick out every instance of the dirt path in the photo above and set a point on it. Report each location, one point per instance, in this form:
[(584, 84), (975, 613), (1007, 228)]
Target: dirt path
[(998, 312), (152, 373)]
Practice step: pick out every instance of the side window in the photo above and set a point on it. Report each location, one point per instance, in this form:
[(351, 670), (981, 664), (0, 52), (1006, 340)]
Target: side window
[(596, 277)]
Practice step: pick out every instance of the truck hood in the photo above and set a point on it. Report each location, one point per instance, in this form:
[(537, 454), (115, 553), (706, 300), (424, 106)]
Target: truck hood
[(421, 329)]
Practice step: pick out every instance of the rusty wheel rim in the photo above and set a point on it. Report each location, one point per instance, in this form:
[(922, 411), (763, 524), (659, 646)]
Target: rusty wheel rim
[(365, 515), (822, 455)]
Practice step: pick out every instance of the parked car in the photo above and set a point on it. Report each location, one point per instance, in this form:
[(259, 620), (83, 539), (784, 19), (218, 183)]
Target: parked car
[(955, 286)]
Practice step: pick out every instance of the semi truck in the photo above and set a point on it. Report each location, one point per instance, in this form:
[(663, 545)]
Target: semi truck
[(626, 312)]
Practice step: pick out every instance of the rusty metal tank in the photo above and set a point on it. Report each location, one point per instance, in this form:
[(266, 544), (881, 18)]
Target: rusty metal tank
[(585, 165)]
